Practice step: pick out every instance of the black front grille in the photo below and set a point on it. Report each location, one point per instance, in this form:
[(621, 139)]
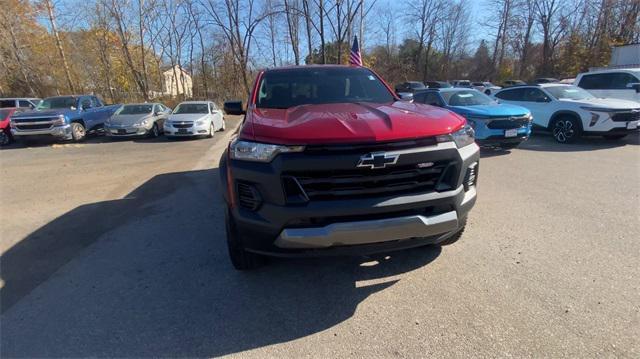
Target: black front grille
[(30, 120), (33, 127), (248, 196), (508, 123), (179, 125), (363, 183), (626, 116)]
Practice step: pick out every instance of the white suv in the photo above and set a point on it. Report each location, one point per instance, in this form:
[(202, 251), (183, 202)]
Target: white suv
[(569, 111), (623, 84)]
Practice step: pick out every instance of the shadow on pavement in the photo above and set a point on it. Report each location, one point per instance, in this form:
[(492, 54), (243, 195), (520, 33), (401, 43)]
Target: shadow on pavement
[(544, 142), (148, 275)]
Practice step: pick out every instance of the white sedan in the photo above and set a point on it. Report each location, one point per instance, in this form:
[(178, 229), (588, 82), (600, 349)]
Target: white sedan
[(194, 118)]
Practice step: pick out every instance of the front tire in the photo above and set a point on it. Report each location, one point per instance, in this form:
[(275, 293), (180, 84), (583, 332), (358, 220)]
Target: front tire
[(5, 138), (211, 130), (78, 132), (154, 132), (565, 129), (241, 259), (224, 125)]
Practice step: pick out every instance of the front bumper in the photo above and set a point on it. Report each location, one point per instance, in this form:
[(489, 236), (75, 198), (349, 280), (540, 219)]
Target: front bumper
[(348, 226), (194, 130), (62, 132), (486, 135), (116, 131)]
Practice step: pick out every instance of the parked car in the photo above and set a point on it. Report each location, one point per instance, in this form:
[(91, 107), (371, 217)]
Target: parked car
[(461, 83), (194, 118), (19, 102), (438, 84), (410, 87), (509, 83), (495, 124), (5, 131), (623, 84), (140, 119), (485, 87), (545, 80), (63, 117), (569, 111), (341, 166)]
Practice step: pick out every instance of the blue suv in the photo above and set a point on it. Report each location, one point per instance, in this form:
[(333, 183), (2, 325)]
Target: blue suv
[(495, 124)]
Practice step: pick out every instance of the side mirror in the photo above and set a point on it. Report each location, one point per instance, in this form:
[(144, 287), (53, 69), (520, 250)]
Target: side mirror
[(635, 86), (234, 108), (405, 96), (157, 113)]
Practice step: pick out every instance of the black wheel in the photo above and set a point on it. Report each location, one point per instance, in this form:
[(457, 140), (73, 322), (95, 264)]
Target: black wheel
[(224, 125), (240, 258), (5, 138), (453, 239), (154, 131), (509, 146), (487, 92), (615, 137), (211, 130), (78, 132), (565, 129)]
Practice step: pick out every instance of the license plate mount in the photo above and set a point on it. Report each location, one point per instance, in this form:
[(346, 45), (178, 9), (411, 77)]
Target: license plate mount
[(511, 133)]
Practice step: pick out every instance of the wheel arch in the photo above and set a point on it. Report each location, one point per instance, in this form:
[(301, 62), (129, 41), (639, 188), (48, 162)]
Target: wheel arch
[(563, 113)]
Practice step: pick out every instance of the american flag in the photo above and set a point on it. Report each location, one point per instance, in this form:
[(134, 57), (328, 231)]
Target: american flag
[(355, 58)]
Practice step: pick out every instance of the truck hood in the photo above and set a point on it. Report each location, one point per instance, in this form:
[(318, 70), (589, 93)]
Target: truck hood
[(348, 123), (51, 113), (492, 110), (608, 103)]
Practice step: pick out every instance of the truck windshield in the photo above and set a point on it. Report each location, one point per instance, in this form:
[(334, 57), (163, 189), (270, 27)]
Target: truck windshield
[(134, 109), (191, 108), (568, 93), (466, 98), (57, 102), (312, 86)]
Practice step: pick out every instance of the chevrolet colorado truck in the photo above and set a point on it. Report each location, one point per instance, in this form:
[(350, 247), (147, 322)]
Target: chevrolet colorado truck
[(63, 117), (329, 161)]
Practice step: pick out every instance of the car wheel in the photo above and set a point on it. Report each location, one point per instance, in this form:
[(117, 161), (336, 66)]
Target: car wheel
[(487, 92), (154, 132), (240, 258), (211, 130), (565, 129), (5, 139), (78, 132), (224, 125), (453, 239), (615, 137)]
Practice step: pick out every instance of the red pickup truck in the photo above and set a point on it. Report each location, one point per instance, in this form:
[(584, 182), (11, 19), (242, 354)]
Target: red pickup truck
[(329, 161)]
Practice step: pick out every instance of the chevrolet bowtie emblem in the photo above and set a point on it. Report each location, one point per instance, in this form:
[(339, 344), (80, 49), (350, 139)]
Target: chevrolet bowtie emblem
[(377, 160)]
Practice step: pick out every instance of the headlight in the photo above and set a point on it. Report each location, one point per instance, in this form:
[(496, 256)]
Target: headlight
[(142, 123), (462, 137), (258, 152), (598, 109), (59, 121), (200, 122)]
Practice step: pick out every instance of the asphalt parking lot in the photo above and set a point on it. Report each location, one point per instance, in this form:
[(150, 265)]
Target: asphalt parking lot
[(116, 249)]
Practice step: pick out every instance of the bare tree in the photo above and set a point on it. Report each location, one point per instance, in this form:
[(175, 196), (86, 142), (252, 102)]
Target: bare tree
[(54, 29), (293, 25)]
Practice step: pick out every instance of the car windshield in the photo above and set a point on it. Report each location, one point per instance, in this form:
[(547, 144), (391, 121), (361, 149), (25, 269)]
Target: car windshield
[(569, 93), (466, 98), (191, 108), (57, 102), (134, 109), (289, 88)]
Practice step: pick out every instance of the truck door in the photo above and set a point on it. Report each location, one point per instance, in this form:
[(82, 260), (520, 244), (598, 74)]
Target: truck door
[(611, 85)]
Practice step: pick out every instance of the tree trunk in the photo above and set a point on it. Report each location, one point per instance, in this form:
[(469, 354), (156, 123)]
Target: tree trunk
[(54, 28)]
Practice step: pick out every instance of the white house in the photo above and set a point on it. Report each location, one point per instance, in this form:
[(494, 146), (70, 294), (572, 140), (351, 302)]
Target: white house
[(177, 82)]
